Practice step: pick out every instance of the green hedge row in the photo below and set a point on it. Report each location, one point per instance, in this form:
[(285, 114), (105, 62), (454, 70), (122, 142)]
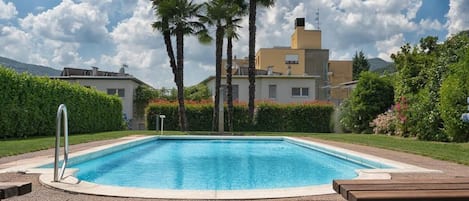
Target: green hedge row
[(29, 106), (269, 117)]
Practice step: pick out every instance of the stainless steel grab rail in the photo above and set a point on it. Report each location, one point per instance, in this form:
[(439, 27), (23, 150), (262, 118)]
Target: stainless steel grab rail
[(61, 112)]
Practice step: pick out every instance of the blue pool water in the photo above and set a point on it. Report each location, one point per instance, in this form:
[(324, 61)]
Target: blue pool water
[(216, 165)]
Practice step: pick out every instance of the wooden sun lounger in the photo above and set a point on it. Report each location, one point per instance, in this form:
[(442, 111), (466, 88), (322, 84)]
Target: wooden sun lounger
[(403, 190), (10, 189)]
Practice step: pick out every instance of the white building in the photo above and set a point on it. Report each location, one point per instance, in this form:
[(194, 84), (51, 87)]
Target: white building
[(277, 88), (120, 84)]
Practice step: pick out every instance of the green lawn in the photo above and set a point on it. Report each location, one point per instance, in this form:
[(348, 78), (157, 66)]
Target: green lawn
[(20, 146), (456, 152)]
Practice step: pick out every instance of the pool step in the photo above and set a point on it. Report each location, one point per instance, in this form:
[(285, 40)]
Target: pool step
[(10, 189)]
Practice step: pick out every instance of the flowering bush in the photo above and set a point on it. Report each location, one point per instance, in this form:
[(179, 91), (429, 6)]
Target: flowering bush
[(385, 123), (402, 112)]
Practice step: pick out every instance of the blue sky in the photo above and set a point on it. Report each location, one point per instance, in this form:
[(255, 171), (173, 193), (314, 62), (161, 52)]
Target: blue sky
[(109, 33)]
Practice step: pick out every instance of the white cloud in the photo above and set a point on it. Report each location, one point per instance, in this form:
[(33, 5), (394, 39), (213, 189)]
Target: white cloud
[(69, 22), (428, 24), (138, 46), (389, 46), (7, 10), (15, 43), (458, 16)]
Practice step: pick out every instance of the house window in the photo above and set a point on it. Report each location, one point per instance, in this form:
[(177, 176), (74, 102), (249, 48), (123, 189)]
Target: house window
[(273, 91), (291, 59), (235, 92), (300, 91), (118, 92)]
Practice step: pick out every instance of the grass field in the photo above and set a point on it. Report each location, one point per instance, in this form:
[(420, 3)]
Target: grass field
[(455, 152)]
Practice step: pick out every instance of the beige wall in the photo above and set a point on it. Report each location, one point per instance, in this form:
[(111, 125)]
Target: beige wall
[(275, 57), (238, 62), (284, 87), (306, 39), (341, 71)]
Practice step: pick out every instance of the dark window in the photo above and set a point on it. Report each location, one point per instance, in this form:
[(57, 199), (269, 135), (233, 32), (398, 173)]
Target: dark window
[(273, 91), (300, 91), (118, 92), (225, 92)]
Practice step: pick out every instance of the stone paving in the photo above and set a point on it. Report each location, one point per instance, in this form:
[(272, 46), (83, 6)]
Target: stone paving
[(40, 192)]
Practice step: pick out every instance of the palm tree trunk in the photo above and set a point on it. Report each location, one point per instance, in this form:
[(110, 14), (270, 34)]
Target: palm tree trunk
[(252, 48), (180, 80), (229, 86), (218, 56)]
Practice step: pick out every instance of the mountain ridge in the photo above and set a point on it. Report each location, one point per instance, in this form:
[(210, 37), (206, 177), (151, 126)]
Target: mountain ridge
[(34, 69)]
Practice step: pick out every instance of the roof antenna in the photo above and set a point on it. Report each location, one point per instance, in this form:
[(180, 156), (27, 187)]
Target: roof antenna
[(317, 19)]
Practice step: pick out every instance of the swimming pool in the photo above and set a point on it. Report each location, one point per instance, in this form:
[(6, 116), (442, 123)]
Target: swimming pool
[(217, 167)]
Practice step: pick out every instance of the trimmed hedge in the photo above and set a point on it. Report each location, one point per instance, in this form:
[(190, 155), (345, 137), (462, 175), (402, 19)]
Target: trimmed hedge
[(29, 106), (311, 117)]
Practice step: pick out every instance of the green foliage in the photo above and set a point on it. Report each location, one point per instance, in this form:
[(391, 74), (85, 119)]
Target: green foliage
[(29, 106), (197, 92), (143, 95), (269, 117), (421, 71), (360, 64), (372, 96), (345, 116), (454, 91)]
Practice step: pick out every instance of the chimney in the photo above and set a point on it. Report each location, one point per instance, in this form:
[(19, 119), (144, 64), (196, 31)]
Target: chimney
[(95, 70), (299, 22), (269, 70)]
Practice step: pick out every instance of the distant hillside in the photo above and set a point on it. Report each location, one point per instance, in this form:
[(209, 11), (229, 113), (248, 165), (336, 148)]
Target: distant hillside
[(31, 68), (381, 66)]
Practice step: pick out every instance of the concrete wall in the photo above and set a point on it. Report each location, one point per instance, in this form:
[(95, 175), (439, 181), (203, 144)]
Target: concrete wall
[(306, 39), (284, 87), (129, 87), (341, 72), (316, 61)]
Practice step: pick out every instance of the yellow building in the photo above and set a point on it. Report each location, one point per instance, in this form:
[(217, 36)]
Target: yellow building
[(304, 57)]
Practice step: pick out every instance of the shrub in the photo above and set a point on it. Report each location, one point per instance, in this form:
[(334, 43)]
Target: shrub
[(453, 94), (29, 106), (312, 117), (385, 123), (372, 96)]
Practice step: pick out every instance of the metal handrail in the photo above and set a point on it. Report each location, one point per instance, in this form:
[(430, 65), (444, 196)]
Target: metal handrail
[(61, 112)]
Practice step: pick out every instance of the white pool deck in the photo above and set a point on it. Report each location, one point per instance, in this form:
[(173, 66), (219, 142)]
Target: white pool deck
[(72, 184)]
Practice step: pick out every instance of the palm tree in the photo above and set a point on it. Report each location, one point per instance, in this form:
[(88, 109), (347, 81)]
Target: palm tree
[(252, 48), (176, 18), (237, 9), (215, 15)]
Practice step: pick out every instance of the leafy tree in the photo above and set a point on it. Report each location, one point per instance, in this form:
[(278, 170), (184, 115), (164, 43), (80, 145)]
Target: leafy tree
[(453, 94), (197, 92), (372, 96), (422, 70), (252, 53), (176, 17), (360, 64), (143, 95)]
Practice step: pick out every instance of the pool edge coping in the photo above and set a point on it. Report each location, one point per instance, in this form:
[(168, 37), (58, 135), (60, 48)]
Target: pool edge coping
[(72, 184)]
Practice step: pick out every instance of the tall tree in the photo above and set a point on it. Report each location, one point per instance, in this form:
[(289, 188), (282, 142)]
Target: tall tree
[(233, 18), (176, 17), (215, 16), (360, 63), (252, 49)]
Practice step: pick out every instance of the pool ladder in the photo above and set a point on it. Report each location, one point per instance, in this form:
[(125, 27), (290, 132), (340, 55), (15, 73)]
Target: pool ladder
[(61, 112)]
